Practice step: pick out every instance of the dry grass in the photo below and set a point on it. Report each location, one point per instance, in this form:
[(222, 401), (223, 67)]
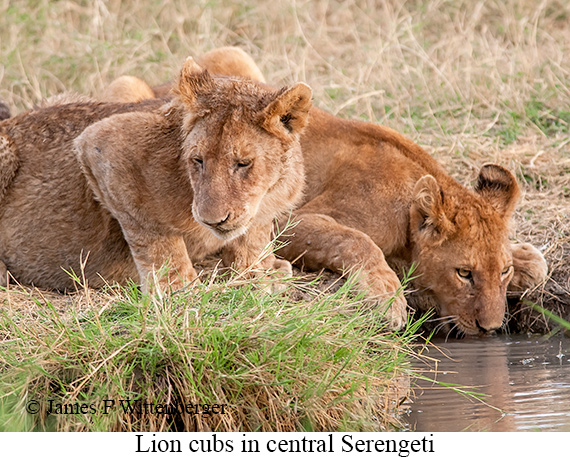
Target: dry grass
[(473, 82)]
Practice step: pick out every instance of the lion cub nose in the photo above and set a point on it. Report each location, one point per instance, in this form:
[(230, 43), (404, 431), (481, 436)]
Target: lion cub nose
[(487, 327), (218, 223)]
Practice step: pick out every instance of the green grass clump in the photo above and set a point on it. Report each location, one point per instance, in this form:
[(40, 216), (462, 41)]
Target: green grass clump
[(321, 364)]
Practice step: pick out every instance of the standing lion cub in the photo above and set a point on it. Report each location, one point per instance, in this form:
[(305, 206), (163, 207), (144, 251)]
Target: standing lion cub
[(119, 190)]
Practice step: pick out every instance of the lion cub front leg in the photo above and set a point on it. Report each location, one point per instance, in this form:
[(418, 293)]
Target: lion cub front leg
[(162, 261), (529, 265), (252, 254), (319, 241)]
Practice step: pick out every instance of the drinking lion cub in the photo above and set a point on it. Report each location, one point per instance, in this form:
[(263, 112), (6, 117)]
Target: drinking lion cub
[(375, 199), (149, 184)]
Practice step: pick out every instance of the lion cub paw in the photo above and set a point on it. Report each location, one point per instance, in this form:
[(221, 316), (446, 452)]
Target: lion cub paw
[(386, 290), (281, 269), (165, 281), (397, 314), (529, 265)]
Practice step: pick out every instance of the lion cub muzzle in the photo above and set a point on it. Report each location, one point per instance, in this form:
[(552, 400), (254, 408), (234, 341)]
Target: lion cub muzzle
[(222, 227), (218, 224)]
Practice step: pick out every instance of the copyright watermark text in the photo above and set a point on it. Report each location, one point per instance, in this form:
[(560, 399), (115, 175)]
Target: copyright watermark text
[(127, 406)]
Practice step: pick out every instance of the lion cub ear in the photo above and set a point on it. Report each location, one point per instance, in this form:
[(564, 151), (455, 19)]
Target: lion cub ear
[(288, 112), (499, 187), (193, 80), (427, 212)]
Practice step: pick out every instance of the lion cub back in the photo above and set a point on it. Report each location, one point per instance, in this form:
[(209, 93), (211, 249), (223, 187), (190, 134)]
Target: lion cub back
[(49, 220)]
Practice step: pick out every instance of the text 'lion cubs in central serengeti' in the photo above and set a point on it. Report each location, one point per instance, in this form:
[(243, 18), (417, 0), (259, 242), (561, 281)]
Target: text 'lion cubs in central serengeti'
[(122, 189), (375, 198)]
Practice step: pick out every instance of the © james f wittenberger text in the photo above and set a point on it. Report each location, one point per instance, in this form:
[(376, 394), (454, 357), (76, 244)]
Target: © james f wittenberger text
[(127, 406)]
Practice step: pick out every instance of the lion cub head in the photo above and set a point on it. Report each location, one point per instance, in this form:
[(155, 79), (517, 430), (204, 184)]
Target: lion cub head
[(241, 148), (461, 246)]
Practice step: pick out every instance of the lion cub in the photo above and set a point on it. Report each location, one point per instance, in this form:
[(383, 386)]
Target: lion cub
[(117, 191)]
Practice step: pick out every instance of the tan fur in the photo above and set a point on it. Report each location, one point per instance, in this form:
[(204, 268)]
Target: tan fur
[(375, 198), (530, 267), (66, 98), (126, 89), (115, 186), (228, 60)]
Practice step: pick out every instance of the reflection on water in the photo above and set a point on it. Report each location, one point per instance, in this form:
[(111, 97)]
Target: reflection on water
[(527, 381)]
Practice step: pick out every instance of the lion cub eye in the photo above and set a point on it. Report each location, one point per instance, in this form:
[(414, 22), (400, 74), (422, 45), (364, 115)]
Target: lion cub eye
[(198, 161), (245, 163), (506, 271), (464, 273)]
